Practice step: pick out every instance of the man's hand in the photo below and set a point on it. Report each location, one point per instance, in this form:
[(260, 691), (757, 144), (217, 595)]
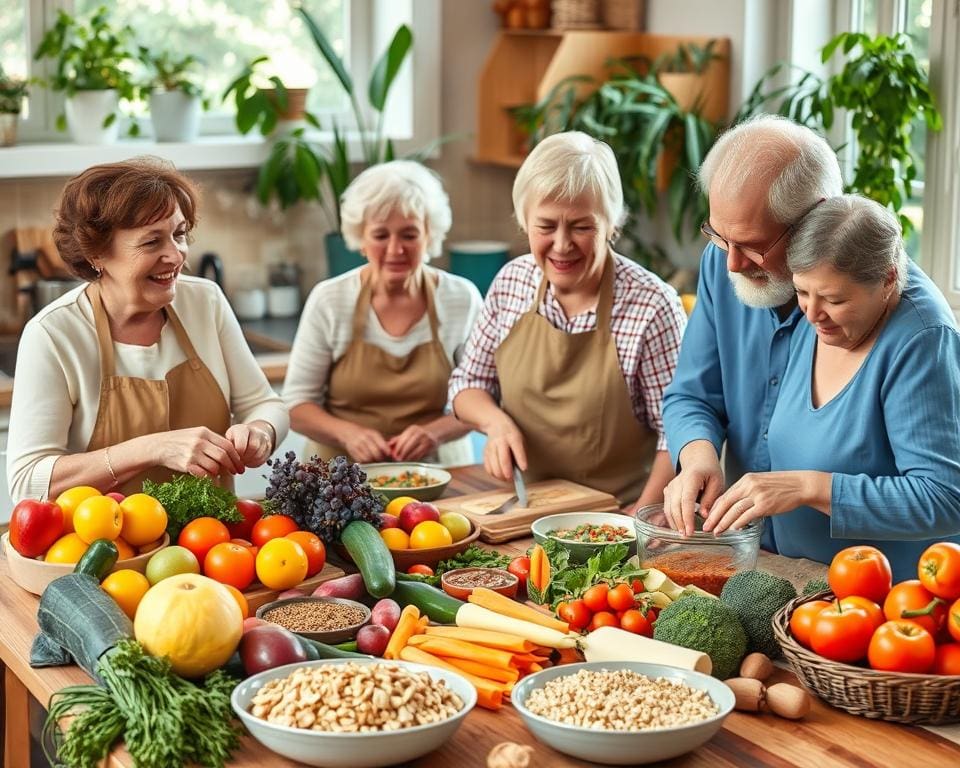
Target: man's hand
[(700, 475)]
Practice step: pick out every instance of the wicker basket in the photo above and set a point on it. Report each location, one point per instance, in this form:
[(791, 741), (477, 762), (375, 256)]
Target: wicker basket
[(623, 14), (575, 14), (902, 698)]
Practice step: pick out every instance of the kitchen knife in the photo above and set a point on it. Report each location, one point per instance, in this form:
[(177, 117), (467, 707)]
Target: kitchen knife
[(519, 486)]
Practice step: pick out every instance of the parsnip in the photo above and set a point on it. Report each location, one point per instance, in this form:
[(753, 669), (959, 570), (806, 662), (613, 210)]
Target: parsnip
[(474, 616), (614, 644), (658, 599)]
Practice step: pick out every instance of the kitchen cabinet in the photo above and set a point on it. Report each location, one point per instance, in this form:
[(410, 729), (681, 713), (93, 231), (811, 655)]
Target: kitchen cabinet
[(523, 65)]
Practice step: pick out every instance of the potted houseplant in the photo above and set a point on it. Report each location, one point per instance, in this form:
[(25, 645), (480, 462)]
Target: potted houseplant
[(176, 96), (94, 64), (264, 101), (12, 92)]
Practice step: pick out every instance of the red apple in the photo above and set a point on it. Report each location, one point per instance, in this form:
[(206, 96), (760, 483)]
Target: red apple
[(117, 497), (34, 526), (251, 512), (389, 521), (417, 512)]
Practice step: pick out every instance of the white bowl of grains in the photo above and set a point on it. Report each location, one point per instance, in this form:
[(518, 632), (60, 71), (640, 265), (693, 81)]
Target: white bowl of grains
[(622, 712), (332, 726), (325, 619)]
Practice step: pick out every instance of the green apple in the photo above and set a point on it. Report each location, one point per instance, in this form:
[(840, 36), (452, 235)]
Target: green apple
[(457, 524), (170, 561)]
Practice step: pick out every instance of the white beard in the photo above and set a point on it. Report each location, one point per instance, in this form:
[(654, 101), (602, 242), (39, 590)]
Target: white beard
[(772, 292)]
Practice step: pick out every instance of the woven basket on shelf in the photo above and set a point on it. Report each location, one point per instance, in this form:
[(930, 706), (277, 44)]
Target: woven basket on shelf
[(900, 697), (623, 14), (575, 14)]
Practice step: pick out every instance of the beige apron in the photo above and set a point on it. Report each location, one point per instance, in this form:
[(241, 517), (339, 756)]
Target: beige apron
[(188, 396), (567, 394), (380, 391)]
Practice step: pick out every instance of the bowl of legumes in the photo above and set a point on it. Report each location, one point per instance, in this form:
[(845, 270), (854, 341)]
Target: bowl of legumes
[(583, 533), (622, 712), (383, 713), (326, 619), (424, 482)]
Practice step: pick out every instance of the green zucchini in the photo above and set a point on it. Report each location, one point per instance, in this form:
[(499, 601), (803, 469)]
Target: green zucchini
[(432, 602), (371, 556), (318, 650), (99, 559), (349, 645)]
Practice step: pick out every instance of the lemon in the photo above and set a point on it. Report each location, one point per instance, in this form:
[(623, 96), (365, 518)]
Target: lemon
[(394, 507), (70, 499)]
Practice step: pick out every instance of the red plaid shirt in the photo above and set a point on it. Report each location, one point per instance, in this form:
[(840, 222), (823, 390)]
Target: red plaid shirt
[(647, 321)]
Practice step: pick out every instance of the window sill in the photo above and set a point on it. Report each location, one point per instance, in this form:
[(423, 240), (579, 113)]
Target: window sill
[(67, 159)]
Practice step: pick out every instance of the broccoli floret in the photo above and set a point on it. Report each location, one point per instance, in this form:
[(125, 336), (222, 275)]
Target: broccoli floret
[(815, 585), (755, 596), (707, 625)]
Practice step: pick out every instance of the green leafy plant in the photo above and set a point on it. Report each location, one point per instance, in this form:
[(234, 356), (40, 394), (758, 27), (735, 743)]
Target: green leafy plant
[(170, 72), (12, 92), (186, 497), (260, 99), (609, 565), (688, 58)]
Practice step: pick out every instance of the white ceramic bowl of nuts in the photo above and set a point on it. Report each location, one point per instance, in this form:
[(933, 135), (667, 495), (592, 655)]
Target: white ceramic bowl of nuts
[(325, 724), (622, 712)]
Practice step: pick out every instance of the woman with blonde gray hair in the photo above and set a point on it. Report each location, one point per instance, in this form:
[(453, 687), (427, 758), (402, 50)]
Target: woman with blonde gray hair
[(864, 442), (372, 357), (566, 367)]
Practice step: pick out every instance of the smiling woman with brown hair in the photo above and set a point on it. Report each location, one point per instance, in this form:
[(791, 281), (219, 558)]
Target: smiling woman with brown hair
[(141, 372)]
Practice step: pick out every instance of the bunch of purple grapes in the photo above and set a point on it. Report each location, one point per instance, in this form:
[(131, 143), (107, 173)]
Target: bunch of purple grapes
[(322, 497)]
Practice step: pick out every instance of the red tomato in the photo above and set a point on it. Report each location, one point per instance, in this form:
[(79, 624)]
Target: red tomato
[(637, 586), (201, 534), (251, 512), (842, 632), (953, 621), (939, 569), (920, 606), (801, 620), (873, 610), (231, 564), (861, 570), (34, 526), (902, 646), (602, 619), (423, 570), (596, 597), (620, 598), (947, 660), (636, 622), (272, 527), (520, 567), (315, 549), (575, 613)]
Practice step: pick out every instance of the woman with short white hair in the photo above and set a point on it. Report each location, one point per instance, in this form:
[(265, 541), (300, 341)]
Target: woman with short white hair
[(864, 443), (372, 357), (566, 367)]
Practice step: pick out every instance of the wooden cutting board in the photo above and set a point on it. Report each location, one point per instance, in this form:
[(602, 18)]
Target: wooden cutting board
[(258, 595), (548, 497)]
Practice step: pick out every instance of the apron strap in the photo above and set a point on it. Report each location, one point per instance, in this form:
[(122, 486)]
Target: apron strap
[(104, 339), (431, 306), (605, 299), (361, 310), (182, 338)]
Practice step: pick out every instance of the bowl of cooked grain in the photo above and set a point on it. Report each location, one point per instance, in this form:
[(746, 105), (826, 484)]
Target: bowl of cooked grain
[(325, 619), (622, 712), (370, 724)]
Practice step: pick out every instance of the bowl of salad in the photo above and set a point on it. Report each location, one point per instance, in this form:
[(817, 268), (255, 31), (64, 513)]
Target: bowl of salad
[(584, 533), (424, 482)]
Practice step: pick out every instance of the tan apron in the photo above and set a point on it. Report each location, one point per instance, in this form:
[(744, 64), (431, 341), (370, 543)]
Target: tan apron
[(380, 391), (567, 394), (188, 396)]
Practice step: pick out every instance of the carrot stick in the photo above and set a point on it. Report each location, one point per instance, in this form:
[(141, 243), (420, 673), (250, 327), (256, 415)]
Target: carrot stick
[(408, 626), (459, 649), (534, 668), (526, 659), (487, 637), (494, 601), (489, 693), (483, 670)]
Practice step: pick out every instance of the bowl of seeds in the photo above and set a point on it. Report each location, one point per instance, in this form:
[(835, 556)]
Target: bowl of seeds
[(325, 619)]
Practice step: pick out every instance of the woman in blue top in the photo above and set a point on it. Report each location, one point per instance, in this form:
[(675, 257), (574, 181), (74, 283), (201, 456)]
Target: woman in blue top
[(865, 437)]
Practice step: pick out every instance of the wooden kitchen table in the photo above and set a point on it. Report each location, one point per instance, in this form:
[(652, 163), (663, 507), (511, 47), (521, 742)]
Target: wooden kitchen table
[(826, 737)]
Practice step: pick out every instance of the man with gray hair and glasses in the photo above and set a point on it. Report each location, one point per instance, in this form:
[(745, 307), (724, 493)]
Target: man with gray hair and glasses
[(761, 178)]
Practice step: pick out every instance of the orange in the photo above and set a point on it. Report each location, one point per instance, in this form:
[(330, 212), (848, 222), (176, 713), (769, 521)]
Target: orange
[(66, 549), (241, 600), (70, 499), (314, 547), (395, 538), (144, 519), (98, 517), (281, 564), (429, 534), (201, 534), (124, 549), (272, 527), (127, 588), (394, 507), (231, 564)]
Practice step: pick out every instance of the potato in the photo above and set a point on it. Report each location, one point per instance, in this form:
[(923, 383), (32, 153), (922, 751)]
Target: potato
[(373, 639), (350, 587), (386, 613)]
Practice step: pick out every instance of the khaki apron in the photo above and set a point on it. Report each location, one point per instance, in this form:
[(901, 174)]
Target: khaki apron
[(566, 393), (380, 391), (188, 396)]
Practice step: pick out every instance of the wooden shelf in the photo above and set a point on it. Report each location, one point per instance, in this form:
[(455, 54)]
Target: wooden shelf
[(524, 65)]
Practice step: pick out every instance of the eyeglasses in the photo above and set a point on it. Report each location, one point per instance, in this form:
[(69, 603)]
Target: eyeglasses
[(724, 245)]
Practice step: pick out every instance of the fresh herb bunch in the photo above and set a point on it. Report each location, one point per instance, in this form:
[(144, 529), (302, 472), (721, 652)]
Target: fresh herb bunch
[(322, 497), (165, 721), (472, 557), (568, 581), (186, 497)]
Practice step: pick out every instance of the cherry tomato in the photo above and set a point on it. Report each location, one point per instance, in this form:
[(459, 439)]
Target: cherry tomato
[(953, 621), (423, 570), (596, 597), (272, 527), (602, 619), (873, 610), (201, 534), (231, 564), (520, 567), (842, 632), (860, 570), (947, 660), (575, 613), (920, 606), (637, 586), (801, 620), (902, 646), (636, 622), (620, 598), (939, 569)]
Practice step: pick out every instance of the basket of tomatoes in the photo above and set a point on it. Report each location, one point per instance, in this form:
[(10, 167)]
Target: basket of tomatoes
[(878, 649)]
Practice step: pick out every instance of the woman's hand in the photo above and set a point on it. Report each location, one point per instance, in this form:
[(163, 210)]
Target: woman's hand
[(764, 494), (365, 445), (412, 444), (700, 475), (197, 451), (504, 448), (254, 444)]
